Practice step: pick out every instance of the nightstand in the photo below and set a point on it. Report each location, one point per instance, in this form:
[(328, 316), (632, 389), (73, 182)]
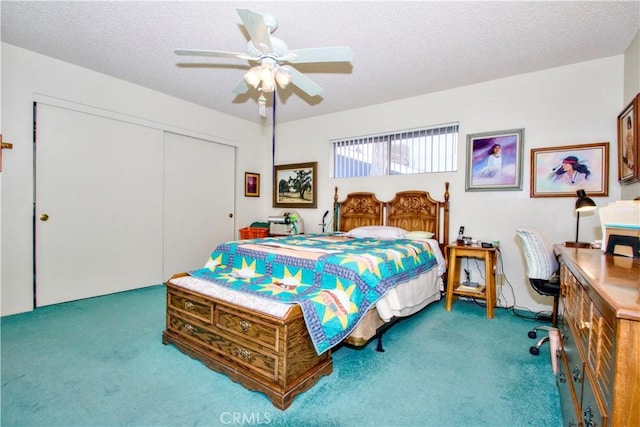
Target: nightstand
[(454, 288)]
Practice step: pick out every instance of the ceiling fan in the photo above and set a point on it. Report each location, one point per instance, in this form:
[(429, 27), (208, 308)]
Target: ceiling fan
[(273, 57)]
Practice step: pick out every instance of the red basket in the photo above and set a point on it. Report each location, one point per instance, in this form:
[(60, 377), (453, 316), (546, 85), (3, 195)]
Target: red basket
[(253, 232)]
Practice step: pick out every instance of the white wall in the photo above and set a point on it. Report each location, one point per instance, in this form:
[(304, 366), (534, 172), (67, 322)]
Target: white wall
[(570, 105), (25, 74), (563, 106), (631, 89), (0, 179)]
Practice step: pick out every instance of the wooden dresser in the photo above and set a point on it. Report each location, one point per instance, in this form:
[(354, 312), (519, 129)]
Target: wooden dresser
[(262, 352), (599, 357)]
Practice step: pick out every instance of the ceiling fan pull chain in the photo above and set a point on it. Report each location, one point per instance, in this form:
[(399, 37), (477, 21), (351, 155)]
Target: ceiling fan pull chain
[(262, 105), (273, 131)]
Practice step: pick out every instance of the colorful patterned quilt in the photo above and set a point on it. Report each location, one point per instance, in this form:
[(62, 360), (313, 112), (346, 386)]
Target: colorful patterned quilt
[(334, 278)]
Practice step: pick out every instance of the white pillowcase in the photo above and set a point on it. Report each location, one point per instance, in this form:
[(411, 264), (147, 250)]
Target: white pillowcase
[(418, 235), (378, 232)]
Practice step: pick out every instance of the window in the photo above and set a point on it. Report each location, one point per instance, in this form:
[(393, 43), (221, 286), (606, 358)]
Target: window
[(426, 150)]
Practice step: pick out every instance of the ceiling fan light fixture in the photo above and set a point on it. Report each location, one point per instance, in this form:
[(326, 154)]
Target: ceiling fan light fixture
[(266, 73), (268, 85), (252, 77), (282, 77)]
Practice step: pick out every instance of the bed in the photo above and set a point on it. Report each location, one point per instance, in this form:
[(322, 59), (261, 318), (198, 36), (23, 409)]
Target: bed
[(280, 343)]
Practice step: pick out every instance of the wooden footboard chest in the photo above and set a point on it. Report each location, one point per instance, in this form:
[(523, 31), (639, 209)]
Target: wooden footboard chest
[(264, 353)]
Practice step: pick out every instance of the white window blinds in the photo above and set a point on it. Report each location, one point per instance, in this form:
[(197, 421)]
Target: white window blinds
[(425, 150)]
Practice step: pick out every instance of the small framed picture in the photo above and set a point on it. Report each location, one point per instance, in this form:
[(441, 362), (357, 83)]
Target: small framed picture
[(561, 171), (494, 160), (251, 184), (628, 169), (294, 186)]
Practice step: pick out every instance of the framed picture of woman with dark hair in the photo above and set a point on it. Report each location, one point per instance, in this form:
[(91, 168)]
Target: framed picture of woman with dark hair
[(628, 169), (561, 171), (494, 160)]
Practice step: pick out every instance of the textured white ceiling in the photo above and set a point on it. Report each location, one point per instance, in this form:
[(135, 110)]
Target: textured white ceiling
[(401, 48)]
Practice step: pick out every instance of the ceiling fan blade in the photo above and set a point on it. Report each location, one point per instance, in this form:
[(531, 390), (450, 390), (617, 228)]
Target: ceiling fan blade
[(241, 88), (258, 30), (305, 84), (319, 54), (214, 53)]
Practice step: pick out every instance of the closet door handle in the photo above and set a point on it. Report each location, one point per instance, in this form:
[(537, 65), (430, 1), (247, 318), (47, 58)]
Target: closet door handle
[(44, 217)]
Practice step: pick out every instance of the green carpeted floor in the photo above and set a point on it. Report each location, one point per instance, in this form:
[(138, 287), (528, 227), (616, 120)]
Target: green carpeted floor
[(100, 362)]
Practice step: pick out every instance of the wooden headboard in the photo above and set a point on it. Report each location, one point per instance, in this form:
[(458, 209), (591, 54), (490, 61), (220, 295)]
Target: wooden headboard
[(357, 210), (409, 210)]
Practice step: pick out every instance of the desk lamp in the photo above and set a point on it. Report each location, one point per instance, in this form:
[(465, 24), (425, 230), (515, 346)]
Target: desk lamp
[(583, 204)]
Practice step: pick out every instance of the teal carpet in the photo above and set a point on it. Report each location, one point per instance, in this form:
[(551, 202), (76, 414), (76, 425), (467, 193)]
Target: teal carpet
[(101, 362)]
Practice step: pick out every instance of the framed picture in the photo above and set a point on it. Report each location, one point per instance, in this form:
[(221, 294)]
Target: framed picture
[(494, 160), (294, 186), (251, 184), (561, 171), (628, 169)]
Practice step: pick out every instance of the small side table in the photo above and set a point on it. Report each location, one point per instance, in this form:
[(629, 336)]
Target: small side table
[(488, 294)]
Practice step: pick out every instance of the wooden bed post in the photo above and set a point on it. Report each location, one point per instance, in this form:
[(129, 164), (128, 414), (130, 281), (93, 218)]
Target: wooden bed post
[(335, 209), (445, 222)]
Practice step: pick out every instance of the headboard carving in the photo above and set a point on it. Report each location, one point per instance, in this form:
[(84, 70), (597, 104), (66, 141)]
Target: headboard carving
[(358, 210), (409, 210)]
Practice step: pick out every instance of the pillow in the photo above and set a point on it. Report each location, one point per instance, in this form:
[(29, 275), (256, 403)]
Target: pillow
[(378, 232), (418, 235)]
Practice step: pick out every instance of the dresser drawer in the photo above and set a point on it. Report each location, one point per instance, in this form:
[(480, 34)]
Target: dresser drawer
[(593, 410), (571, 293), (262, 363), (249, 328), (191, 305), (569, 404), (574, 363), (601, 355)]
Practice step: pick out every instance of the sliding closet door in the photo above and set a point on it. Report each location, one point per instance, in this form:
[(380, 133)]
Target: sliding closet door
[(98, 210), (199, 193)]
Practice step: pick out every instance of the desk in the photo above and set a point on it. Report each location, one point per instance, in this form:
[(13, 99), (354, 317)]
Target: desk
[(488, 294)]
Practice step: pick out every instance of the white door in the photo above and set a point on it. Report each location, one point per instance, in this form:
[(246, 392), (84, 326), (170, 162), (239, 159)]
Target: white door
[(199, 190), (98, 205)]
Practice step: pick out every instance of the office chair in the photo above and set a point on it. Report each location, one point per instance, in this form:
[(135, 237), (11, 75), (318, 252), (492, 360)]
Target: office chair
[(542, 269)]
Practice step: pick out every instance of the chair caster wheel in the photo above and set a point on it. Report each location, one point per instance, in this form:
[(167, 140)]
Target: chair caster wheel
[(532, 334), (534, 350)]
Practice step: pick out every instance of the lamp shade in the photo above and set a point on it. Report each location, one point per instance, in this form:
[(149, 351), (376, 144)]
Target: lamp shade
[(584, 203)]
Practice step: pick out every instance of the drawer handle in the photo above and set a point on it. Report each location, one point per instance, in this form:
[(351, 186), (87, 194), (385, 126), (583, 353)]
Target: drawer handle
[(189, 305), (188, 329), (562, 377), (244, 354), (585, 325), (588, 415), (577, 375), (245, 326)]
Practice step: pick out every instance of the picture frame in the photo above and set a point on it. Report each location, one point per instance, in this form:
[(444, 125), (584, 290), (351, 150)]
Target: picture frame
[(294, 185), (494, 160), (561, 171), (628, 145), (251, 184)]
